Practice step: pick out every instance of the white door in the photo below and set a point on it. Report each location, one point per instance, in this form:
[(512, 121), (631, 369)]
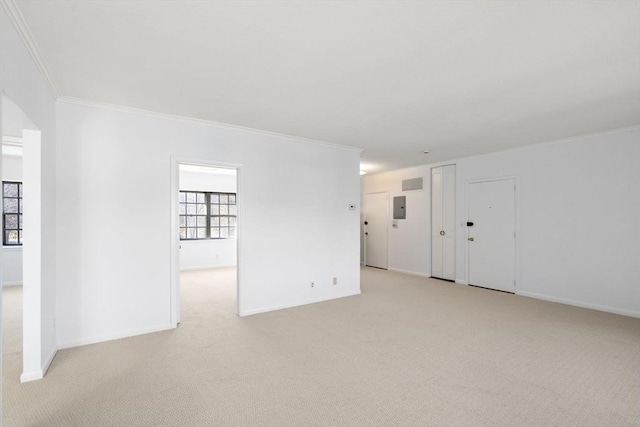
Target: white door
[(492, 235), (443, 222), (376, 207)]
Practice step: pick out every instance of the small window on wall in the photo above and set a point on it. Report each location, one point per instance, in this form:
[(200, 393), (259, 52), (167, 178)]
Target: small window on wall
[(207, 215), (11, 213)]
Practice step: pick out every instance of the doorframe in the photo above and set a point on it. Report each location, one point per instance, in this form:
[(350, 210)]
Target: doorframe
[(386, 229), (174, 294), (516, 224)]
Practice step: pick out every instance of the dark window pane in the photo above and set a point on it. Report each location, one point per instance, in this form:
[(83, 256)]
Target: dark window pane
[(10, 205), (215, 232), (10, 190), (224, 199), (11, 222)]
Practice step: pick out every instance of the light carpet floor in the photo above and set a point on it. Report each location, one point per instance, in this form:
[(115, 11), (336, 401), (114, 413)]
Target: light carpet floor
[(12, 320), (409, 351)]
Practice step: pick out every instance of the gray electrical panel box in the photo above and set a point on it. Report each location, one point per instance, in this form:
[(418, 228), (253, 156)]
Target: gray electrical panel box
[(400, 207)]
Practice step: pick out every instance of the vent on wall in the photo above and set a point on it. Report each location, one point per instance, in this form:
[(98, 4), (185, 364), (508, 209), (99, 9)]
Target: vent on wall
[(412, 184)]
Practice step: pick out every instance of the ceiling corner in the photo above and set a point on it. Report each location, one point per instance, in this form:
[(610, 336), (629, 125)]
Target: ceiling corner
[(15, 17)]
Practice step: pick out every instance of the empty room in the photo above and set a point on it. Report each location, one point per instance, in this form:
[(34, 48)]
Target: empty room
[(320, 213)]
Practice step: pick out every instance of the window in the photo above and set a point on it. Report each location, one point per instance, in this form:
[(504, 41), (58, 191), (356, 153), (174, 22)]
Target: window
[(206, 215), (11, 213)]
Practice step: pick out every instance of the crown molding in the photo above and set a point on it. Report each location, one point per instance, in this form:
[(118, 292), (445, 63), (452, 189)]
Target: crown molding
[(15, 17), (201, 122)]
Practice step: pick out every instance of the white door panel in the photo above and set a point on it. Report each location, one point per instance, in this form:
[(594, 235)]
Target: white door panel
[(443, 222), (492, 236), (376, 207)]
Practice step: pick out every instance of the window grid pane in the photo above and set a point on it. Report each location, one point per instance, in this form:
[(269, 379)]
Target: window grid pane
[(12, 213), (206, 215)]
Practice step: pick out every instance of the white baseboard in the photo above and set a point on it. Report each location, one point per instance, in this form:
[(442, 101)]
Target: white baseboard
[(25, 377), (16, 283), (31, 376), (207, 267), (413, 273), (461, 282), (575, 303), (111, 337), (280, 307)]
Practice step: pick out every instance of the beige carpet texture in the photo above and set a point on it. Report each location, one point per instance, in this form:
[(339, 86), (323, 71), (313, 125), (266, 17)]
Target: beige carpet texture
[(409, 351)]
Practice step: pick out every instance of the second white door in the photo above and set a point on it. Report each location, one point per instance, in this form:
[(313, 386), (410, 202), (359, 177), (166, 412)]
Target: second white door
[(492, 235), (443, 222), (376, 207)]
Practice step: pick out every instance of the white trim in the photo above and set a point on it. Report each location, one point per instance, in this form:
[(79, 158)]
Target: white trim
[(412, 273), (581, 304), (207, 267), (47, 362), (203, 122), (280, 307), (14, 283), (39, 374), (31, 376), (15, 17), (461, 282), (12, 248), (111, 337)]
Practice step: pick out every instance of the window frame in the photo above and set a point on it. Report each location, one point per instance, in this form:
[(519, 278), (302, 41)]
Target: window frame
[(209, 215), (20, 231)]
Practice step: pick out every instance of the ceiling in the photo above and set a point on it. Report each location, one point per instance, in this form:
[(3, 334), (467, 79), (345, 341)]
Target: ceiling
[(394, 78)]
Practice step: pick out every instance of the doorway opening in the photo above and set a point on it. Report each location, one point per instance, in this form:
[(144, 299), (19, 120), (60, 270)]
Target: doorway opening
[(206, 228), (21, 240)]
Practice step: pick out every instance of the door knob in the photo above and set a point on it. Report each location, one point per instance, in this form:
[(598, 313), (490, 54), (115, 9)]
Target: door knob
[(442, 233), (366, 234), (470, 239)]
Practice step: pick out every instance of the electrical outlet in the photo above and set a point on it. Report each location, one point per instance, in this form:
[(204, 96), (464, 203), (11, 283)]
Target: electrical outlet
[(335, 280)]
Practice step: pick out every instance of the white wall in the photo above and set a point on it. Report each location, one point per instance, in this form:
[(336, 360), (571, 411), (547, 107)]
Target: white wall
[(115, 207), (579, 204), (578, 208), (11, 255), (409, 242), (22, 82), (212, 253)]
